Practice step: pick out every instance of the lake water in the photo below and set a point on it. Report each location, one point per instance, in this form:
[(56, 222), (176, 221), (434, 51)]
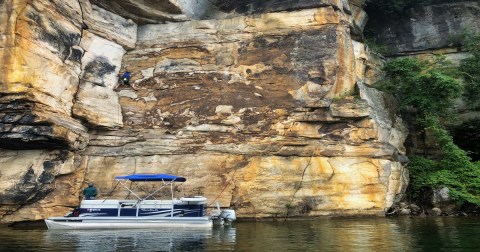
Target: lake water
[(326, 234)]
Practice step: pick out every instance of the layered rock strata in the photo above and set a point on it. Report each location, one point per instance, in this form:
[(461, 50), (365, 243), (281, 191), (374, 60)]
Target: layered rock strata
[(267, 111), (58, 63)]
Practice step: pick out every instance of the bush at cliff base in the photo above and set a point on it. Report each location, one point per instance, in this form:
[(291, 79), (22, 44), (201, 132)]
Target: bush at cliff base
[(454, 170), (426, 92)]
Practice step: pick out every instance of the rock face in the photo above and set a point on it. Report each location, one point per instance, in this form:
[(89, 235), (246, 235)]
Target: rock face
[(161, 11), (429, 27), (265, 109), (40, 75), (96, 102), (38, 183)]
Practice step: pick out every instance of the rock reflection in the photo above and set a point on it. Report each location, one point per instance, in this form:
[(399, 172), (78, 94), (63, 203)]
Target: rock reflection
[(377, 234), (325, 235), (328, 234)]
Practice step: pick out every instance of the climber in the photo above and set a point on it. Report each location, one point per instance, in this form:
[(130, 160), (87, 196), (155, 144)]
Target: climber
[(126, 77), (90, 192)]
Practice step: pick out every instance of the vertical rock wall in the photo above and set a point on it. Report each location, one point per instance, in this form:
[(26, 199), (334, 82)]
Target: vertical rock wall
[(428, 28), (263, 110), (40, 75), (57, 60)]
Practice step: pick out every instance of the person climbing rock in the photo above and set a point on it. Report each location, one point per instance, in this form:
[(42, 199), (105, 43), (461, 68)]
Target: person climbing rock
[(126, 77), (90, 192)]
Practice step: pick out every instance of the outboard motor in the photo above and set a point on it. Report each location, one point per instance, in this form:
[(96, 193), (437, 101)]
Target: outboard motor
[(228, 215)]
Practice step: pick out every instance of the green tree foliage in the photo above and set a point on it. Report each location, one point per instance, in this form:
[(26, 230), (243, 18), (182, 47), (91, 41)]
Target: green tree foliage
[(454, 170), (470, 68), (422, 87), (426, 91)]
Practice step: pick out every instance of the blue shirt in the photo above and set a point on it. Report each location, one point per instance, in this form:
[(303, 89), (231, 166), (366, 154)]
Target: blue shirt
[(127, 75)]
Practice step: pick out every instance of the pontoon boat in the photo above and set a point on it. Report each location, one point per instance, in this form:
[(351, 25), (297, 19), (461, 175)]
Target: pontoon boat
[(143, 212)]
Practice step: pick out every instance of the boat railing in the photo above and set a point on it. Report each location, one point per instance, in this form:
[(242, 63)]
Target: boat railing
[(113, 202), (167, 182)]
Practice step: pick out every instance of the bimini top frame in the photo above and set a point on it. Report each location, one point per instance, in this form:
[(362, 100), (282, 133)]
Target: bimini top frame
[(151, 177), (167, 179)]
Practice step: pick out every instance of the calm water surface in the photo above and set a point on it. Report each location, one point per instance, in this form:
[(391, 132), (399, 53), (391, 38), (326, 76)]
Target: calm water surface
[(335, 234)]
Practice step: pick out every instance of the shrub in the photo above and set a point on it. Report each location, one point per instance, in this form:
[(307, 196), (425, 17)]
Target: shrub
[(426, 92), (454, 170)]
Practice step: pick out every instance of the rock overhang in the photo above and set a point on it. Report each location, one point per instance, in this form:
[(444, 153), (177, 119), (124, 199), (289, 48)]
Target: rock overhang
[(162, 11)]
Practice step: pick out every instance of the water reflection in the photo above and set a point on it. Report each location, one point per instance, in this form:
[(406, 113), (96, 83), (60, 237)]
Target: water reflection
[(377, 234), (336, 234), (446, 234), (168, 239), (326, 235)]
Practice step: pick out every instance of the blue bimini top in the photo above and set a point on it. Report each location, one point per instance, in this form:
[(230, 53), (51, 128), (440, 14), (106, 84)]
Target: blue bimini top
[(151, 177)]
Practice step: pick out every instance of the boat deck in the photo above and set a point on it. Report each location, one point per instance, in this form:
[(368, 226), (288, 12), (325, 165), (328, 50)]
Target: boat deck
[(127, 222)]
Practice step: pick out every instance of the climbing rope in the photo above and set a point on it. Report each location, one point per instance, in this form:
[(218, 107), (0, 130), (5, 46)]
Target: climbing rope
[(225, 187)]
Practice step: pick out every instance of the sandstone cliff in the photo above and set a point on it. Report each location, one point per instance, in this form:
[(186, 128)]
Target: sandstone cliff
[(264, 106)]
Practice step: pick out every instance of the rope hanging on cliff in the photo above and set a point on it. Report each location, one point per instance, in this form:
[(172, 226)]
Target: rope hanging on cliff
[(301, 182), (225, 187), (111, 191)]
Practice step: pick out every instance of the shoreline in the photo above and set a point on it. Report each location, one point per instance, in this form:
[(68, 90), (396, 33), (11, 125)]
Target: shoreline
[(40, 224)]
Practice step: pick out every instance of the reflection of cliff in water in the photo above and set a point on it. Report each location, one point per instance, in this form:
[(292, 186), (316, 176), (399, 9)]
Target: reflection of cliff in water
[(326, 234), (358, 234)]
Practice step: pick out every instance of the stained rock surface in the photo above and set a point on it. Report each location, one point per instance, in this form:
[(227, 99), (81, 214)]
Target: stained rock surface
[(265, 106), (430, 27)]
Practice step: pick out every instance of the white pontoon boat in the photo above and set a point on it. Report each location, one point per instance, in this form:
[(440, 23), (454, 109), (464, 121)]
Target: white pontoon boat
[(146, 212)]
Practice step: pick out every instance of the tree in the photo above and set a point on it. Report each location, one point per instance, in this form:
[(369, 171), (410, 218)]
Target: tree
[(421, 86), (470, 70)]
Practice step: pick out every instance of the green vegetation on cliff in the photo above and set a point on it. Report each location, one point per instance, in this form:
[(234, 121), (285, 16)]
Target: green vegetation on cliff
[(454, 170), (467, 135), (470, 70), (426, 92), (421, 87)]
